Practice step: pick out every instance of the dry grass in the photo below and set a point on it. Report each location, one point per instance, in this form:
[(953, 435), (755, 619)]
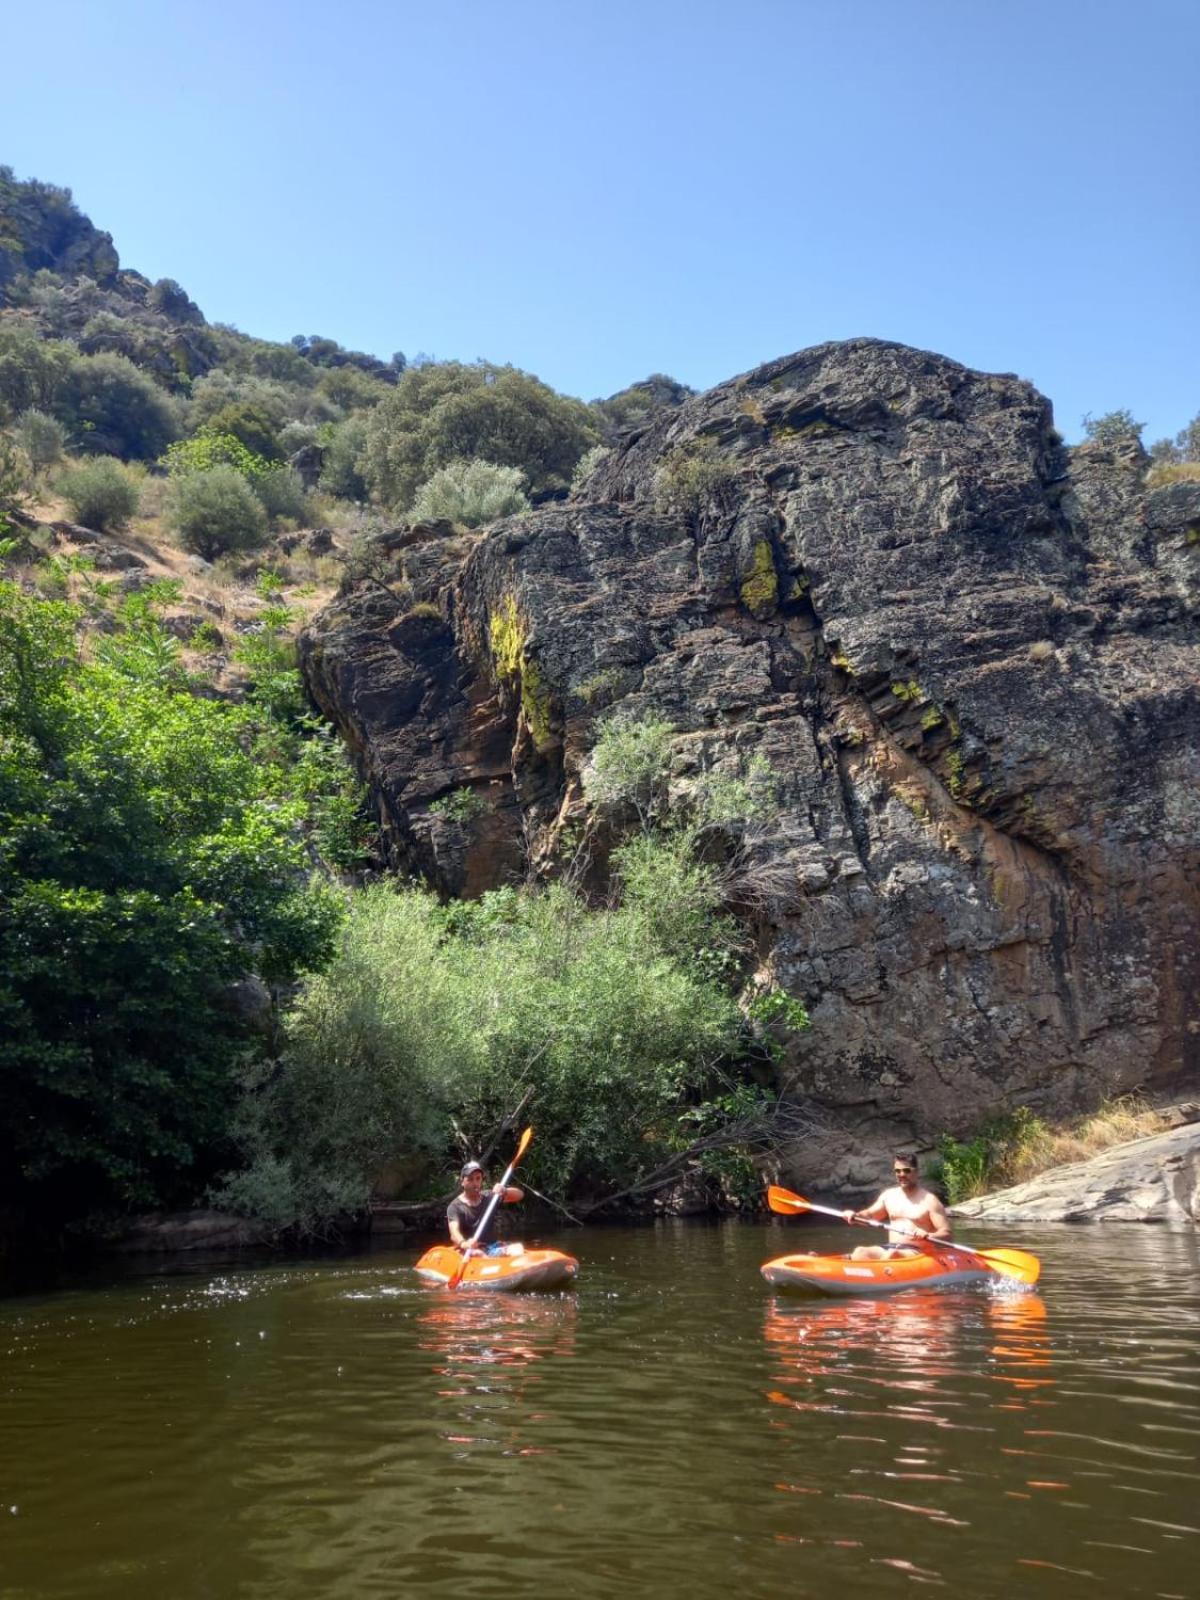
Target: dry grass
[(1173, 472), (1018, 1147), (1039, 1147)]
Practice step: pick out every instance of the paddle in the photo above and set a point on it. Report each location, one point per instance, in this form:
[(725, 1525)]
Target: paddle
[(497, 1196), (1009, 1263)]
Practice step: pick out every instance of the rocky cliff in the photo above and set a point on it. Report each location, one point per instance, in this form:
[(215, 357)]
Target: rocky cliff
[(970, 656)]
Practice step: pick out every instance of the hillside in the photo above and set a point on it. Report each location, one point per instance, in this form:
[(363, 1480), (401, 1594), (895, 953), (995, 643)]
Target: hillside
[(753, 779)]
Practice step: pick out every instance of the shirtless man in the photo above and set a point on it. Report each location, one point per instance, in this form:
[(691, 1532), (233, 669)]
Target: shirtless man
[(913, 1211), (465, 1212)]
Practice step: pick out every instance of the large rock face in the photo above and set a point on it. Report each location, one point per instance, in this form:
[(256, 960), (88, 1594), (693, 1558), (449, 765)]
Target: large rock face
[(970, 656)]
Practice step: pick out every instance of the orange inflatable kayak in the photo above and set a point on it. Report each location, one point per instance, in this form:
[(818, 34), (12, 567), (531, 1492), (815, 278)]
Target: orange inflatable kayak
[(533, 1269), (841, 1275)]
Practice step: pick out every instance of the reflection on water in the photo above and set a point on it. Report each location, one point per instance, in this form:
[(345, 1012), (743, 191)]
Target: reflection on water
[(333, 1428)]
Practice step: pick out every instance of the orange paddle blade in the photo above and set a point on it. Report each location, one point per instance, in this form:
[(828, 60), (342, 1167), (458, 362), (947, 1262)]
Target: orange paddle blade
[(784, 1200), (523, 1145), (1017, 1264)]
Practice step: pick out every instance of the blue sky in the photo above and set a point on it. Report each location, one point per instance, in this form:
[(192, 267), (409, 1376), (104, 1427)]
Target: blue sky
[(596, 191)]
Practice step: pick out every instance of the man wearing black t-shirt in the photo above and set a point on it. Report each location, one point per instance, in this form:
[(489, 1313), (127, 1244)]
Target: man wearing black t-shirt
[(465, 1212)]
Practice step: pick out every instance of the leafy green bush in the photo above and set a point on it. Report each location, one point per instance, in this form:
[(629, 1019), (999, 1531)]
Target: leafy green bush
[(429, 1012), (690, 475), (113, 409), (629, 766), (1113, 428), (470, 493), (281, 493), (215, 512), (251, 424), (102, 493), (143, 869), (31, 369), (42, 437), (446, 411), (15, 472), (209, 449), (341, 471), (460, 807), (587, 465)]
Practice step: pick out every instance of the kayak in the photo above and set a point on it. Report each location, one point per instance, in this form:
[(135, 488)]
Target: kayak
[(932, 1269), (533, 1269)]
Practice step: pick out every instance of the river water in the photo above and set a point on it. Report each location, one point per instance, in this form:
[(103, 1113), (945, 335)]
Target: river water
[(332, 1428)]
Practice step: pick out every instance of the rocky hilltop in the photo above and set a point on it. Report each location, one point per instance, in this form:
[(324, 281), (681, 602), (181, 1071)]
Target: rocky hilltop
[(970, 656)]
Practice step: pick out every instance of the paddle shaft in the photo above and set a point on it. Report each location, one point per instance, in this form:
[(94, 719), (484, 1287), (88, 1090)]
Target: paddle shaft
[(870, 1222), (497, 1196)]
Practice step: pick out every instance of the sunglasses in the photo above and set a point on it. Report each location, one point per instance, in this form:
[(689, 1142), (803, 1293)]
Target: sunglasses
[(900, 1171)]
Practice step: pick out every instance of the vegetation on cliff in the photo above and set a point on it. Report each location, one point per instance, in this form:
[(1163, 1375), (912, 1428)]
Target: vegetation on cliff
[(150, 859)]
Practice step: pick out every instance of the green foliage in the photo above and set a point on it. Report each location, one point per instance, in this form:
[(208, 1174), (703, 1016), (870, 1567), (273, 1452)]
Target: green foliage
[(460, 807), (214, 512), (31, 369), (969, 1167), (725, 798), (588, 463), (629, 766), (14, 476), (445, 411), (102, 493), (691, 474), (42, 437), (111, 408), (640, 403), (470, 493), (281, 493), (1183, 448), (341, 470), (676, 897), (252, 425), (269, 655), (141, 872), (1113, 428), (209, 449), (429, 1011)]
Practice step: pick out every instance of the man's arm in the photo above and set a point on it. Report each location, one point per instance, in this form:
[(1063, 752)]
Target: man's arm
[(511, 1195), (939, 1227), (876, 1212)]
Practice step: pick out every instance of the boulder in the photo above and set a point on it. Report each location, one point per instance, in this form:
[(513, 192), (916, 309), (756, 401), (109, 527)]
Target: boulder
[(189, 1230), (1156, 1179), (969, 655)]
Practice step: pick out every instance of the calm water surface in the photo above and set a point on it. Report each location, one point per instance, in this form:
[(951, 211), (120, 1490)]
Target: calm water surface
[(331, 1428)]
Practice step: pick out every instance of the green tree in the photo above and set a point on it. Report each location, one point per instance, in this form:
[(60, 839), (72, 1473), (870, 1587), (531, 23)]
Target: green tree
[(32, 370), (446, 411), (214, 512), (142, 872), (251, 424), (113, 409), (341, 470), (1113, 428)]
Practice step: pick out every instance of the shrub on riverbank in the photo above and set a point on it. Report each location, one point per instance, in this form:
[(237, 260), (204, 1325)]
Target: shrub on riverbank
[(1015, 1148), (147, 864), (431, 1011)]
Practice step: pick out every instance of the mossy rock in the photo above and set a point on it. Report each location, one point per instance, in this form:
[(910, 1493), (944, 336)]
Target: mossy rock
[(760, 587)]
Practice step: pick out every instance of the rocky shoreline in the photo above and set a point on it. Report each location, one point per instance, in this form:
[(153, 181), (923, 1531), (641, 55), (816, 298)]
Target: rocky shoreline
[(1155, 1179)]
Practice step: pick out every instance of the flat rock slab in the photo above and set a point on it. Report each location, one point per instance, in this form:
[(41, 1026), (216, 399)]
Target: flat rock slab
[(1156, 1179)]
